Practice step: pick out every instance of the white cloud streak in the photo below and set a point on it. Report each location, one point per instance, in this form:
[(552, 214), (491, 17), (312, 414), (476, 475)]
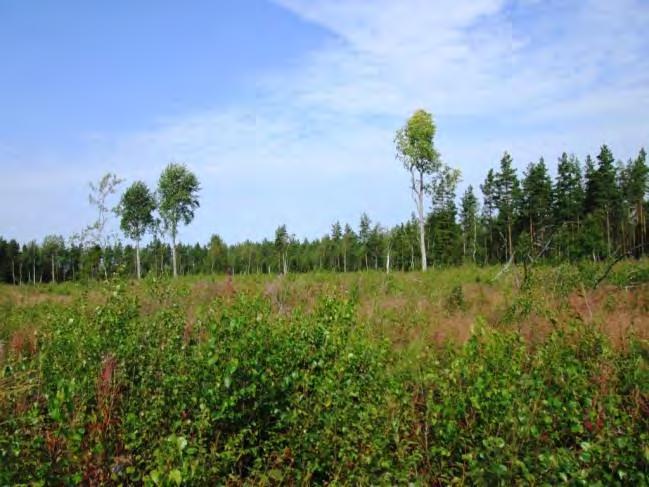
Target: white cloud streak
[(314, 143)]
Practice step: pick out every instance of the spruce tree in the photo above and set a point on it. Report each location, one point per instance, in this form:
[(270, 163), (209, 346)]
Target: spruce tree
[(469, 221)]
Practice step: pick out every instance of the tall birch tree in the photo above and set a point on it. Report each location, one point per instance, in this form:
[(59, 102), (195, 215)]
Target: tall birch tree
[(178, 191), (416, 150), (136, 215)]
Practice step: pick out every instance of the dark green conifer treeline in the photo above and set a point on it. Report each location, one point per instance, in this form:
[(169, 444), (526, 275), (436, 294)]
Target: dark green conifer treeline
[(592, 211)]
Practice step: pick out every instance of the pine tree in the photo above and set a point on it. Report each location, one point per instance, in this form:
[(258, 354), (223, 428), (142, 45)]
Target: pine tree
[(638, 185), (537, 201), (507, 195), (607, 194), (488, 189), (602, 197), (568, 200)]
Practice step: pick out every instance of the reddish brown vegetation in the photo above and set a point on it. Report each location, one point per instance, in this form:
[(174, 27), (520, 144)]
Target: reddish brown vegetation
[(23, 342)]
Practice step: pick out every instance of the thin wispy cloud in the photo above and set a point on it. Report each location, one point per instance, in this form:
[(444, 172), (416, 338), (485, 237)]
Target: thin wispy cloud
[(312, 142)]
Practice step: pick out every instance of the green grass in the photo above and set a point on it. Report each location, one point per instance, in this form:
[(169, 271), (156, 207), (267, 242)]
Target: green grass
[(327, 378)]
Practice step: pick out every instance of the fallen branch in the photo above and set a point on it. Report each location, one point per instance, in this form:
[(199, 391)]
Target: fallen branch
[(505, 268), (628, 253)]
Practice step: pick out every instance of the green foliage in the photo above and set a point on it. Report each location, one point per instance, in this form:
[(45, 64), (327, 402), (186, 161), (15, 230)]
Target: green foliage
[(415, 144), (144, 388), (136, 210), (499, 414), (178, 189)]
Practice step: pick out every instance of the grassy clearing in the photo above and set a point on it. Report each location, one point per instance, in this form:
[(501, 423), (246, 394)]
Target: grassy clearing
[(361, 378)]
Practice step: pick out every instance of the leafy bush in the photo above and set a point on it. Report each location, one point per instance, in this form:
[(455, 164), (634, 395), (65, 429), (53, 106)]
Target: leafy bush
[(237, 392)]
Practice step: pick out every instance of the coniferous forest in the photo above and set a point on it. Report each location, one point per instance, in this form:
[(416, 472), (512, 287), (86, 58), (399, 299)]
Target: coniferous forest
[(593, 209)]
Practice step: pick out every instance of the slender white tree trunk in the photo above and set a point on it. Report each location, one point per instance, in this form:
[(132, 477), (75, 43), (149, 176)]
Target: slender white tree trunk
[(173, 252), (103, 263), (53, 274), (475, 238), (137, 258), (418, 196), (422, 230)]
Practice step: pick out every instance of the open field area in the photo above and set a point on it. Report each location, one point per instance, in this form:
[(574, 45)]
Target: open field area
[(461, 375), (324, 242)]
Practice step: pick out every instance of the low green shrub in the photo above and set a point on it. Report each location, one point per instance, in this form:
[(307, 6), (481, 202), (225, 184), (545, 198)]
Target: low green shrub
[(239, 393)]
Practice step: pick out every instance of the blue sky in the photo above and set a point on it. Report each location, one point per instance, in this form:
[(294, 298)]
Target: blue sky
[(286, 109)]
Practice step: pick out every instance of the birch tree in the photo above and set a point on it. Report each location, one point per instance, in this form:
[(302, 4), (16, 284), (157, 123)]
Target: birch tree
[(52, 246), (416, 150), (96, 234), (178, 199), (136, 215)]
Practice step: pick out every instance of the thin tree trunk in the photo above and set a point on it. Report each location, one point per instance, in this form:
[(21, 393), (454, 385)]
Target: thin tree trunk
[(103, 264), (53, 274), (422, 229), (464, 247), (173, 253), (642, 225), (510, 247), (608, 233), (475, 238), (137, 258), (531, 234)]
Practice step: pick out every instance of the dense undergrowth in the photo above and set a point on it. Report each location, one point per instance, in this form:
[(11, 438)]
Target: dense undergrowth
[(144, 386)]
